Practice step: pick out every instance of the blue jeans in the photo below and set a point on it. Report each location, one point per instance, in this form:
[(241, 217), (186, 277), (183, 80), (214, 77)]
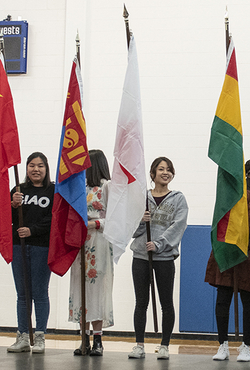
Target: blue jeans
[(38, 276)]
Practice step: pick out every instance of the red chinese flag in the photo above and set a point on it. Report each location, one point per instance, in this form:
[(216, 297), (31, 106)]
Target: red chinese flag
[(9, 156)]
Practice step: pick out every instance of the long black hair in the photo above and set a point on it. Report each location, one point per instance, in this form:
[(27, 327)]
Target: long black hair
[(46, 180), (99, 169)]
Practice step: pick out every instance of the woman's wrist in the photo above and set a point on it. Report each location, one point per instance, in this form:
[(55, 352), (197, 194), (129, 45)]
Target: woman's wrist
[(14, 205)]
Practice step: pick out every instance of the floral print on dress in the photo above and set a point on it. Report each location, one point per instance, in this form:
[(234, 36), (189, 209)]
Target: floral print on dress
[(98, 265), (93, 203), (95, 211), (90, 265)]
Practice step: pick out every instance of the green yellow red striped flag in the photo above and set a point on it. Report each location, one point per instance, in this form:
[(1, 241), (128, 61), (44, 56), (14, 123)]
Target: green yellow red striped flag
[(230, 230)]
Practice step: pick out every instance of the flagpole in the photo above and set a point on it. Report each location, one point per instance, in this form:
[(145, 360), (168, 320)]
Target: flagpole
[(151, 273), (25, 269), (83, 247), (236, 314), (126, 15), (128, 33), (235, 271), (2, 48), (20, 217), (227, 30), (78, 48)]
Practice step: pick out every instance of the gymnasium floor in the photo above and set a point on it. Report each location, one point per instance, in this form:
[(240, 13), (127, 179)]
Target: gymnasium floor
[(186, 355)]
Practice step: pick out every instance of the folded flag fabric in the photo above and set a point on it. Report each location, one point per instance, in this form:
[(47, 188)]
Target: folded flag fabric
[(9, 156), (230, 230), (69, 213), (127, 195)]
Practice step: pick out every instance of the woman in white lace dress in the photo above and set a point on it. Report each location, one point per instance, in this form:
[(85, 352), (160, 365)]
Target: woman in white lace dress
[(98, 260)]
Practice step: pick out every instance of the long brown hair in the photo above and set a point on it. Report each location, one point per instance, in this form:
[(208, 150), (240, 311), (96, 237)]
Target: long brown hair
[(156, 163)]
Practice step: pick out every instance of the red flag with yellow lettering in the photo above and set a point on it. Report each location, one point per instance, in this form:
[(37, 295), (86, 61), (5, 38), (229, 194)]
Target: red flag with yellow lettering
[(69, 213), (9, 156)]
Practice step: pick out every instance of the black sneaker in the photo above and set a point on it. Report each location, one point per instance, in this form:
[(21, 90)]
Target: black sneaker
[(97, 349), (78, 351)]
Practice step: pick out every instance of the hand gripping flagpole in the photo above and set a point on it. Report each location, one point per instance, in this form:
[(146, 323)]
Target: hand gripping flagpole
[(82, 248), (235, 270), (128, 33), (20, 217)]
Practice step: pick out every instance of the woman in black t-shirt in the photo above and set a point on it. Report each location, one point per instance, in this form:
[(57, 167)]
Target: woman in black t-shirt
[(36, 197)]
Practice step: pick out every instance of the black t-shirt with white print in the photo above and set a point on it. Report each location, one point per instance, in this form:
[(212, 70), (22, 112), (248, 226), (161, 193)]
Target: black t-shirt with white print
[(37, 214)]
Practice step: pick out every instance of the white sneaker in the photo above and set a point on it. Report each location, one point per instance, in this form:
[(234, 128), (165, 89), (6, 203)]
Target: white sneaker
[(39, 342), (244, 353), (163, 353), (22, 343), (223, 352), (137, 352)]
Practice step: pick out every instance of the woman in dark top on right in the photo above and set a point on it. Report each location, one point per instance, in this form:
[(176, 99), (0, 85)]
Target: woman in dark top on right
[(225, 286)]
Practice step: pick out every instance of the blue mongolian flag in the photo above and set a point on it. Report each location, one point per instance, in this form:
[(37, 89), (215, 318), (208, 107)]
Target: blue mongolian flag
[(69, 213)]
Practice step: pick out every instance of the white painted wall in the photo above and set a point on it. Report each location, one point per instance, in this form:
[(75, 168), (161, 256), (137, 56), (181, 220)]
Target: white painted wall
[(181, 53)]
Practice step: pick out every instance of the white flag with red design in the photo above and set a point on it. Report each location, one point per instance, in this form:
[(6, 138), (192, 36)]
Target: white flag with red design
[(127, 193)]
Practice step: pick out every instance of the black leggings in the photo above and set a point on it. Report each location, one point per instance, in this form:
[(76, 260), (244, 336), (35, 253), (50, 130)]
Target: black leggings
[(164, 274), (224, 298)]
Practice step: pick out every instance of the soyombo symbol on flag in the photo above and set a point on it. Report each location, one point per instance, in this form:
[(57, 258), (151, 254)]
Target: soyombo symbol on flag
[(69, 213), (74, 148), (229, 234)]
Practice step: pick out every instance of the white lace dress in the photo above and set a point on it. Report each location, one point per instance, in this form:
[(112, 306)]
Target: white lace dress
[(98, 266)]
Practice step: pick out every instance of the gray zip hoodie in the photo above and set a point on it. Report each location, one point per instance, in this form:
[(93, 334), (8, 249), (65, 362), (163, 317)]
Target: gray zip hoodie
[(167, 225)]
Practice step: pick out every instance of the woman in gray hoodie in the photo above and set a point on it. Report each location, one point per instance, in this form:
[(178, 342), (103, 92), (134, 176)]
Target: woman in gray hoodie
[(167, 214)]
